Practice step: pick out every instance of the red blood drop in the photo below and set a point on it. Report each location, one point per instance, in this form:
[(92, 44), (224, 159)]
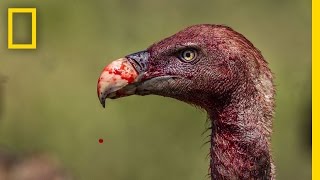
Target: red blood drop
[(100, 141)]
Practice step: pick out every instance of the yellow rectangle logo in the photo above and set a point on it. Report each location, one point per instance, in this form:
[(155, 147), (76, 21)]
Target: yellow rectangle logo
[(33, 44)]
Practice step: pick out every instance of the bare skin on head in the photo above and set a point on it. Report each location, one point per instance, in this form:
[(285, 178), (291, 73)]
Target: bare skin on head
[(219, 70)]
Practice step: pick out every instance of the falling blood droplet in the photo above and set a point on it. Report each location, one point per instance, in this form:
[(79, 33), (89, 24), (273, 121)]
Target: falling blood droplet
[(100, 141)]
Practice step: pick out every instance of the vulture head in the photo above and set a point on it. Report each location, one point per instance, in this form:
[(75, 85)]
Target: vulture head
[(219, 70)]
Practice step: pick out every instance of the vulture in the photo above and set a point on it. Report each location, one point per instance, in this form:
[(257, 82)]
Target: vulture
[(217, 69)]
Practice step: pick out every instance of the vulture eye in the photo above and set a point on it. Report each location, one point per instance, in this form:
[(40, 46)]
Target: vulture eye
[(188, 55)]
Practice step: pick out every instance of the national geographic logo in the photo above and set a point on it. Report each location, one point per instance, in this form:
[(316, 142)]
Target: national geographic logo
[(33, 44)]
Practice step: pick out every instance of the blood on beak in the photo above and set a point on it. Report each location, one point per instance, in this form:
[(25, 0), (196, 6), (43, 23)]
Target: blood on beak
[(121, 77), (114, 78)]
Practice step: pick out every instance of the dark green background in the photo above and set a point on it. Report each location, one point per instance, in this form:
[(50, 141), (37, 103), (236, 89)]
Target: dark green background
[(49, 99)]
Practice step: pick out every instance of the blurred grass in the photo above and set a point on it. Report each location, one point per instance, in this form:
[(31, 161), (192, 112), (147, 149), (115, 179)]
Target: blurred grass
[(49, 98)]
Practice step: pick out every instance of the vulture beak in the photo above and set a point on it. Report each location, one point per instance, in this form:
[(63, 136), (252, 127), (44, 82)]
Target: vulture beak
[(121, 77)]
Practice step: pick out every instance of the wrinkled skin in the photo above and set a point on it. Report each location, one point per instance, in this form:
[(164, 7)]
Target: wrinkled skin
[(228, 78)]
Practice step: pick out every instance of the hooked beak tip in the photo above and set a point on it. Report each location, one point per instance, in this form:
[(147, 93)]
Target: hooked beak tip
[(103, 102)]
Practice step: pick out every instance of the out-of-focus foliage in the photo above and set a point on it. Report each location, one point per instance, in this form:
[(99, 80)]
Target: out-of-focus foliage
[(49, 100), (35, 166)]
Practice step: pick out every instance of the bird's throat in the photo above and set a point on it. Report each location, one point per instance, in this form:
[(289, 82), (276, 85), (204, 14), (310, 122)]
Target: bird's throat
[(240, 143)]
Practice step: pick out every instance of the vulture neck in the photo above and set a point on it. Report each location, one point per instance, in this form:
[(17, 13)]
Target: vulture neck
[(240, 138)]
